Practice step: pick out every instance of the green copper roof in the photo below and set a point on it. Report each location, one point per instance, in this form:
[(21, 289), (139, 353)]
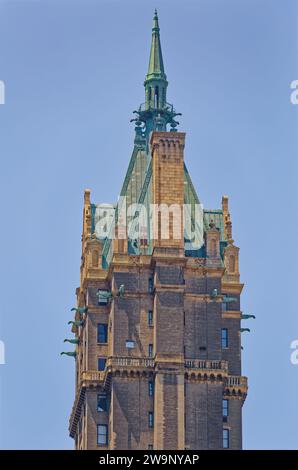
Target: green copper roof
[(156, 67), (136, 193), (216, 216)]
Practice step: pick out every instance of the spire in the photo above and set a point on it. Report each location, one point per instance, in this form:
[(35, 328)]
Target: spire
[(155, 113), (156, 79), (156, 67)]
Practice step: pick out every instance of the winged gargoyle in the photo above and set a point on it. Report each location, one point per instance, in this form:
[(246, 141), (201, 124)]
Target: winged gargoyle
[(76, 323), (104, 294), (81, 310)]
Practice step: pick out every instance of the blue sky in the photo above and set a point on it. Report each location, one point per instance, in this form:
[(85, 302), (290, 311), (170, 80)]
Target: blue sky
[(74, 72)]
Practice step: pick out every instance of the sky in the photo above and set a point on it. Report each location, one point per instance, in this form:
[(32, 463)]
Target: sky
[(73, 73)]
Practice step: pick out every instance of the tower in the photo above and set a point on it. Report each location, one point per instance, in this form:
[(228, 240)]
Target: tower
[(158, 322)]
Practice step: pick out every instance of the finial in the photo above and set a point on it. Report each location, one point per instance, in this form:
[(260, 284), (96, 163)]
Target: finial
[(155, 22), (212, 224)]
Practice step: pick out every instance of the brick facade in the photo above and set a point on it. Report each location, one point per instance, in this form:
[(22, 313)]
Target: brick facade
[(178, 351), (158, 359)]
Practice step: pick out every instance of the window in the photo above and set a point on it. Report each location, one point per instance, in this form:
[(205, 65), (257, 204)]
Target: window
[(150, 389), (102, 404), (103, 300), (150, 285), (150, 447), (102, 333), (102, 434), (224, 338), (225, 407), (150, 350), (150, 318), (101, 364), (130, 344), (150, 419), (226, 438)]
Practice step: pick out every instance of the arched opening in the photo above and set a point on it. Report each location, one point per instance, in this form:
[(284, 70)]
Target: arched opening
[(95, 256), (156, 97), (213, 250), (164, 95), (232, 264)]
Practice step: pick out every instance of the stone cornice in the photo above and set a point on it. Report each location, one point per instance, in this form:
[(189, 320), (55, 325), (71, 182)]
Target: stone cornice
[(231, 287), (232, 314)]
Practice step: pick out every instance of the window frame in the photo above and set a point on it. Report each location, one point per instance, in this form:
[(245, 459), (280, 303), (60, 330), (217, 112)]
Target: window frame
[(102, 302), (150, 317), (105, 426), (150, 419), (150, 284), (225, 409), (224, 339), (225, 438), (150, 388), (101, 359), (105, 325), (103, 397)]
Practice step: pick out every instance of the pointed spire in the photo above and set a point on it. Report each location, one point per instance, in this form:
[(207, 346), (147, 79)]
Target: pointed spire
[(156, 67), (156, 113)]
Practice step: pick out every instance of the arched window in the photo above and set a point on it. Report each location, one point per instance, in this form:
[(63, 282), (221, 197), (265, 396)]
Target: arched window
[(95, 256), (156, 97), (164, 95), (232, 264)]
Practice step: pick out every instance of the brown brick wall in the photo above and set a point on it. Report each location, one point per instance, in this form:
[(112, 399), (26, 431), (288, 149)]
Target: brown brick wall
[(168, 182), (169, 411), (130, 405), (129, 315), (234, 422), (233, 353), (203, 415)]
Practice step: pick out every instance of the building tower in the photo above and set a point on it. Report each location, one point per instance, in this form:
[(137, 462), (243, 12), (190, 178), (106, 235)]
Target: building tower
[(158, 323)]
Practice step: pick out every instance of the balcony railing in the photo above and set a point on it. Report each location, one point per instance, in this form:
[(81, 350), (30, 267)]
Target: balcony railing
[(145, 362), (92, 375), (130, 362), (206, 364), (167, 107), (236, 381)]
